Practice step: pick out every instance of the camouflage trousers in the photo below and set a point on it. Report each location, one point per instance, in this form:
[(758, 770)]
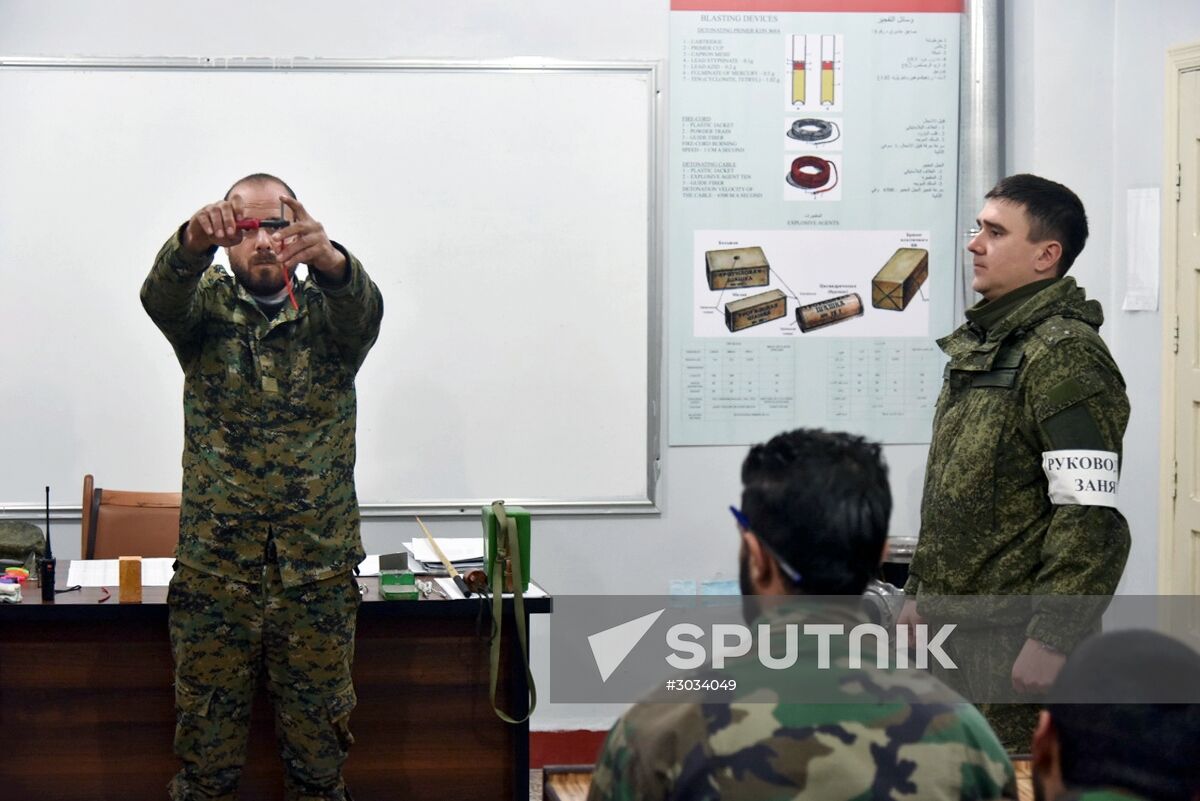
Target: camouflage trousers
[(224, 636), (985, 659)]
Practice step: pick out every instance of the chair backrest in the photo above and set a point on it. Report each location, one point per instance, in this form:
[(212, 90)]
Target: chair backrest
[(121, 523)]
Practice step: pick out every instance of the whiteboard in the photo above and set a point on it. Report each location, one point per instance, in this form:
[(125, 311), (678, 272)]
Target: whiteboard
[(506, 211)]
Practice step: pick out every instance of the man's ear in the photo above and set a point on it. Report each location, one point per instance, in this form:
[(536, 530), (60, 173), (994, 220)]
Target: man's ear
[(756, 558), (1048, 258)]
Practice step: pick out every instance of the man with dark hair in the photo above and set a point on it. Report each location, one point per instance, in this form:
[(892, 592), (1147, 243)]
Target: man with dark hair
[(1020, 489), (813, 521), (269, 527), (1122, 722)]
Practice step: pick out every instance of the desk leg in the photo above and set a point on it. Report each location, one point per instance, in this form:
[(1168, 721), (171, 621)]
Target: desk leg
[(518, 694)]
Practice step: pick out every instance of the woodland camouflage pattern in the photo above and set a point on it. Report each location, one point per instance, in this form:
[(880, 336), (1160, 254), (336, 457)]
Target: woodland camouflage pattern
[(269, 417), (1039, 379), (883, 734)]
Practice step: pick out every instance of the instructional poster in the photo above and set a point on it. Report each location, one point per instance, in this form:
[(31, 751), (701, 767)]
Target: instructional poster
[(812, 216)]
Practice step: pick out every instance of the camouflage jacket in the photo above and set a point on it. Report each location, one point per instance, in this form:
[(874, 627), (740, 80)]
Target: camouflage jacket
[(870, 733), (269, 417), (1040, 379)]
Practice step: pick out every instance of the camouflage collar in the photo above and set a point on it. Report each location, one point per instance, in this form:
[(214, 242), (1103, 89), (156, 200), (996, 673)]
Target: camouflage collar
[(778, 611), (971, 347), (249, 312)]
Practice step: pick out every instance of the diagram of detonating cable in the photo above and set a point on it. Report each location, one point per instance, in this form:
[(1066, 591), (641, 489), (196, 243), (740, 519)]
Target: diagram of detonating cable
[(813, 174)]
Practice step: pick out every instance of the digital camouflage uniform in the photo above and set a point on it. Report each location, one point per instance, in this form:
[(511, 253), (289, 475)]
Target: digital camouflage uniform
[(1028, 373), (269, 525), (874, 734)]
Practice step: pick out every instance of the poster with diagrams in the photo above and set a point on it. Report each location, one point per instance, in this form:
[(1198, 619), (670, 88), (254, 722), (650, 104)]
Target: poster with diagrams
[(789, 284), (811, 227)]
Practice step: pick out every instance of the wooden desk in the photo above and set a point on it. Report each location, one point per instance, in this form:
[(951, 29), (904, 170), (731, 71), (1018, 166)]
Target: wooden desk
[(88, 704)]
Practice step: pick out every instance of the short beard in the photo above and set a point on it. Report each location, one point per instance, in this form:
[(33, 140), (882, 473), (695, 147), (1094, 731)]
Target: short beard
[(267, 285)]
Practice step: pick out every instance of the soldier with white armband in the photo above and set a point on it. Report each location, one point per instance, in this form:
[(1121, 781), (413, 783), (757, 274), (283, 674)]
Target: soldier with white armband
[(1020, 493)]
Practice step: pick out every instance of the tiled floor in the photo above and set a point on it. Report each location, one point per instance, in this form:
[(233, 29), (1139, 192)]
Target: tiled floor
[(535, 785)]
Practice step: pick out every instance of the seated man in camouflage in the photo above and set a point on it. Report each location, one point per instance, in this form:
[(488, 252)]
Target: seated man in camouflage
[(1143, 745), (814, 519)]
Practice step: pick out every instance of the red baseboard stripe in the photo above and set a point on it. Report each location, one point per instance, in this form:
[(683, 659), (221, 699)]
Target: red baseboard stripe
[(577, 747)]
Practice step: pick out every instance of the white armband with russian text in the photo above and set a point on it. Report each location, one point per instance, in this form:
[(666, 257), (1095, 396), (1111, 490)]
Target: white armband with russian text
[(1082, 478)]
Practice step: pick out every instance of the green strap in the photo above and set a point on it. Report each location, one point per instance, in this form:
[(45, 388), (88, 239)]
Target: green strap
[(508, 530)]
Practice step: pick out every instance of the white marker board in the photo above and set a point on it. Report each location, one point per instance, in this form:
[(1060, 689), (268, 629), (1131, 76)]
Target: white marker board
[(506, 211)]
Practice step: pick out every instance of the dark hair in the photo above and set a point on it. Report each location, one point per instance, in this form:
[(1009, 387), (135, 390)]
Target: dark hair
[(821, 500), (260, 178), (1144, 744), (1054, 212)]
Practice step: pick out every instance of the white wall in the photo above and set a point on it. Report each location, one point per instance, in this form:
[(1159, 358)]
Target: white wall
[(1084, 106)]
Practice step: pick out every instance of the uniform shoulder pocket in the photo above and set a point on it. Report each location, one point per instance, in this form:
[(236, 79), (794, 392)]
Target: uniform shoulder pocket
[(1065, 394), (1066, 418)]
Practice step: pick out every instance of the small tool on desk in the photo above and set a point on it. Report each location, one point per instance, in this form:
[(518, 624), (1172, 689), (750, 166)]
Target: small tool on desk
[(450, 569), (47, 564)]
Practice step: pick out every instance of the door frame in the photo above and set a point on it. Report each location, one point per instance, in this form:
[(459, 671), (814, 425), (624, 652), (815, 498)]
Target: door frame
[(1172, 574)]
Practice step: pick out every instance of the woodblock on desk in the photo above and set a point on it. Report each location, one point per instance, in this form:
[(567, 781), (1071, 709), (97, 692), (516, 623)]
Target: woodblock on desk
[(131, 579)]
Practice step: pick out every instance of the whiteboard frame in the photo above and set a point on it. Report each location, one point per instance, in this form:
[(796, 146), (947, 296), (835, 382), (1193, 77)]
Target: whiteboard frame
[(649, 70)]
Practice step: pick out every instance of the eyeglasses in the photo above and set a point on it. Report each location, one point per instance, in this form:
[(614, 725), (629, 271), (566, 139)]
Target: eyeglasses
[(792, 573)]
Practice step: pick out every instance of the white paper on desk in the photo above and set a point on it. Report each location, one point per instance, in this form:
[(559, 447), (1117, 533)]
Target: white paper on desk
[(1141, 245), (369, 566), (460, 549), (156, 572)]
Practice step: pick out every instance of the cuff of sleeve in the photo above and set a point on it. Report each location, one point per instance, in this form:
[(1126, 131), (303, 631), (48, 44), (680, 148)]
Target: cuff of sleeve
[(353, 276), (183, 261), (912, 585), (1055, 632)]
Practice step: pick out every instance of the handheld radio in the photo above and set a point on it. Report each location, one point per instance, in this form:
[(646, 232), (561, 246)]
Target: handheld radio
[(47, 564)]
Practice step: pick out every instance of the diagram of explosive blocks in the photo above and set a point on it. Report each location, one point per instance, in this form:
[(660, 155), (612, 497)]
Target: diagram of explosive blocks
[(897, 282), (736, 267), (755, 310)]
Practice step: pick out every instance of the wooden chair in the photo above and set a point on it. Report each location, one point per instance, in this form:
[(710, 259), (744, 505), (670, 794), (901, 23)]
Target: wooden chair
[(122, 523)]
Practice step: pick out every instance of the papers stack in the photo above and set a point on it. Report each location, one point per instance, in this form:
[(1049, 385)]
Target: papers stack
[(464, 553)]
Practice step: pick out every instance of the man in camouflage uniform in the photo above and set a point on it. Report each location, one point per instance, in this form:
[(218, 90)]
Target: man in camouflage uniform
[(1020, 487), (814, 523), (1145, 744), (269, 528)]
